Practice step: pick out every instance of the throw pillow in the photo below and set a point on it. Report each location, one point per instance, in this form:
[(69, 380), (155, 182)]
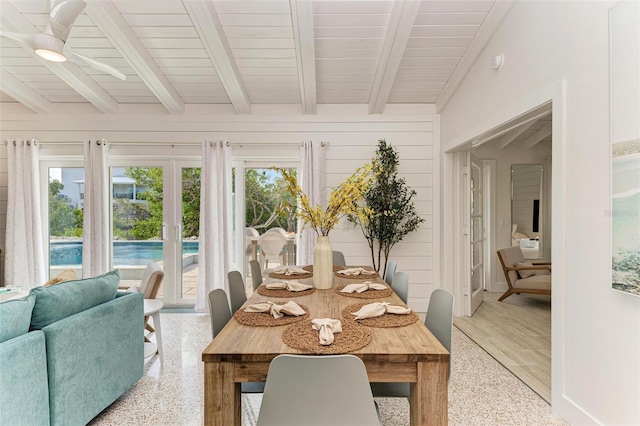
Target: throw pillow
[(525, 273), (15, 316), (66, 275), (59, 301)]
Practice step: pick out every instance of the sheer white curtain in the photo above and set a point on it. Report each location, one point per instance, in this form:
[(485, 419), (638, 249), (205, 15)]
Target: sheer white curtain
[(95, 239), (312, 183), (24, 259), (216, 241)]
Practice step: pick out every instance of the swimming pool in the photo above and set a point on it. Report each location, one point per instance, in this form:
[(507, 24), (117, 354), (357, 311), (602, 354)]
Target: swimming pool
[(124, 252)]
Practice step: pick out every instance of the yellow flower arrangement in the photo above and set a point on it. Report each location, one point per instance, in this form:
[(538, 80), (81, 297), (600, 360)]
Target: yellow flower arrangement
[(343, 200)]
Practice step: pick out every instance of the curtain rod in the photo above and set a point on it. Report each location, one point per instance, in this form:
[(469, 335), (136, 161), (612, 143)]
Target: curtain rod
[(35, 142), (270, 143), (171, 144)]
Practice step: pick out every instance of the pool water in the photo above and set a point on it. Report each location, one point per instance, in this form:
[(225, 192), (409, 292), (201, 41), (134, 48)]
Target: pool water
[(124, 252)]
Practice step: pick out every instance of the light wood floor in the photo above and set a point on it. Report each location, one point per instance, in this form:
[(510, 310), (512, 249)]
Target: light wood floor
[(517, 333)]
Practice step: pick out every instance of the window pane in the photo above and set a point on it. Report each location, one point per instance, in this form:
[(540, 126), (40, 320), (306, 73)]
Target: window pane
[(476, 279), (137, 219), (66, 200), (270, 206), (190, 230)]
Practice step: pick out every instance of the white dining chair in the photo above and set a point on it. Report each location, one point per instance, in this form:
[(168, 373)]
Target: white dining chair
[(251, 236), (271, 246), (220, 315), (400, 285), (317, 390), (219, 310), (439, 321), (237, 292), (279, 230), (391, 271), (256, 274), (338, 259)]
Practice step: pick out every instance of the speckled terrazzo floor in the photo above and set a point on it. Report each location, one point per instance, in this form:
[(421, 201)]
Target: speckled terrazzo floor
[(481, 391)]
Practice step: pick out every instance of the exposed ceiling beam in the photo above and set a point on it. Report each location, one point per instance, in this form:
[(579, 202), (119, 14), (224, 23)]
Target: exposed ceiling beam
[(489, 26), (509, 137), (23, 93), (502, 130), (68, 72), (205, 20), (401, 22), (113, 25), (537, 137), (80, 81), (302, 17)]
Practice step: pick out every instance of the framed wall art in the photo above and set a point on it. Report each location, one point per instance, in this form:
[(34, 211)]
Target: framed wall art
[(624, 19)]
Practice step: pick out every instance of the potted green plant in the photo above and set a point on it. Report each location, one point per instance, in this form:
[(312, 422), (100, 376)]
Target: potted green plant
[(389, 213)]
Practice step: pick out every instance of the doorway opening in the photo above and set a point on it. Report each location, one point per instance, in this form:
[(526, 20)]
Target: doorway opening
[(516, 331)]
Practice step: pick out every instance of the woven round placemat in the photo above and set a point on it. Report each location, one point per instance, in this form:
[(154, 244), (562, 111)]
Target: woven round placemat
[(310, 268), (290, 277), (384, 321), (368, 294), (283, 293), (356, 277), (265, 319), (301, 336)]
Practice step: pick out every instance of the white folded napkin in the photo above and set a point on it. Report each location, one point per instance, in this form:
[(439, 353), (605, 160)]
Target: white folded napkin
[(356, 271), (291, 271), (378, 309), (278, 311), (327, 327), (292, 285), (362, 287)]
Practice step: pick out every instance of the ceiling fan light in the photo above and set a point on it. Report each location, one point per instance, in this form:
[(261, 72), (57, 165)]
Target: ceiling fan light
[(51, 55), (49, 47)]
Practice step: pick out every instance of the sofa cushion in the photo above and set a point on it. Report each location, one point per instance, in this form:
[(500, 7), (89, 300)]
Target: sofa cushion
[(70, 297), (15, 316)]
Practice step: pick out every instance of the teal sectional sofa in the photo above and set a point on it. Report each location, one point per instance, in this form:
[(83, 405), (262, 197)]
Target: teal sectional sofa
[(68, 351)]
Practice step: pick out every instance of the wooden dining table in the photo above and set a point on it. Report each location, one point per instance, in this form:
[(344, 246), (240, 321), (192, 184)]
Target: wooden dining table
[(242, 353)]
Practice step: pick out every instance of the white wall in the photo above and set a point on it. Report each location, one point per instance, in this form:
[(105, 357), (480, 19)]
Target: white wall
[(3, 206), (559, 51), (351, 132)]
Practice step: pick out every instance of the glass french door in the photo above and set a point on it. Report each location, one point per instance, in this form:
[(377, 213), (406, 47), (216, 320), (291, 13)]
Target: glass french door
[(259, 204), (477, 234), (155, 218), (63, 203)]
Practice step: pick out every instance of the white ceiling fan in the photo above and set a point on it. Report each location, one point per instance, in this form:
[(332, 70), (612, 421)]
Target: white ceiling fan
[(50, 44)]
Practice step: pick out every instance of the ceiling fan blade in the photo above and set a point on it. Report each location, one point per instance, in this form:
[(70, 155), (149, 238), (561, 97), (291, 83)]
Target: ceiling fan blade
[(85, 60), (26, 39), (66, 12), (63, 16)]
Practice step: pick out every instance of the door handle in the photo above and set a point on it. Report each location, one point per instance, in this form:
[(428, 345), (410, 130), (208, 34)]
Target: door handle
[(178, 233), (163, 232)]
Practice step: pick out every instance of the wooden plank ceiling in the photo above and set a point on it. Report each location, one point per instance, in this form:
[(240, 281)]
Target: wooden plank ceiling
[(180, 52)]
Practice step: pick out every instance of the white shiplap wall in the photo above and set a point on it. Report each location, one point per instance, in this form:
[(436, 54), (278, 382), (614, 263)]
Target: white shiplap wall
[(3, 205), (351, 132)]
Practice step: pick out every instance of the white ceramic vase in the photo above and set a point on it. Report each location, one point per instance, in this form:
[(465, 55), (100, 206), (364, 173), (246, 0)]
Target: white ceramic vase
[(323, 264)]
